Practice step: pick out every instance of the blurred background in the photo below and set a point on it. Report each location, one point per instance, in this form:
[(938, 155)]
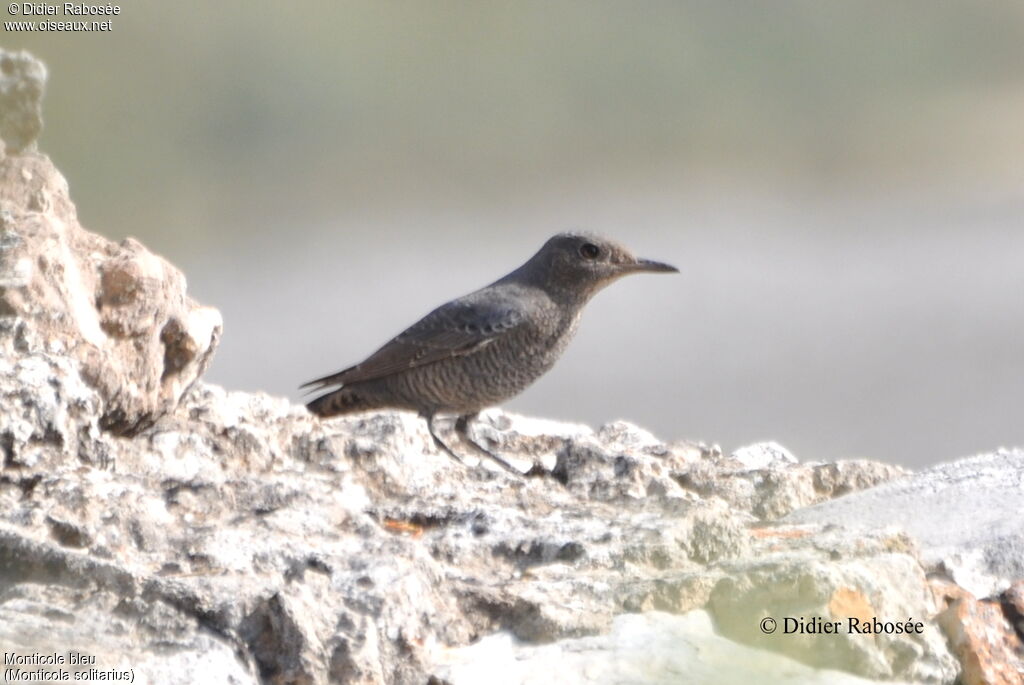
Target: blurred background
[(841, 184)]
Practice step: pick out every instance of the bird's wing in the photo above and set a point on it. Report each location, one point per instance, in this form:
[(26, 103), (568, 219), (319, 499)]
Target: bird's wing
[(453, 329)]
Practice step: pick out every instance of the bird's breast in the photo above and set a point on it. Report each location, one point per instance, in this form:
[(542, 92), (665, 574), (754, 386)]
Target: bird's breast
[(492, 373), (511, 363)]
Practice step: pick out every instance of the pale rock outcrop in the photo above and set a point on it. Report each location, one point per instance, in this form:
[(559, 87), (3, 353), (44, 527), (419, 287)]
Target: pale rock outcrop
[(22, 81), (118, 311)]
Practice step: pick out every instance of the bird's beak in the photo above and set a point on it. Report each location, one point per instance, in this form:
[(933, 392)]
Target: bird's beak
[(651, 266)]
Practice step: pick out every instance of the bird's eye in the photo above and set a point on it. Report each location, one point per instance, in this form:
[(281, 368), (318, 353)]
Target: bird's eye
[(589, 251)]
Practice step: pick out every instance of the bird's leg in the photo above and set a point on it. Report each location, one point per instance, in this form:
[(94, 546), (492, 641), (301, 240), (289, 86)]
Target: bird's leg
[(462, 430), (437, 441)]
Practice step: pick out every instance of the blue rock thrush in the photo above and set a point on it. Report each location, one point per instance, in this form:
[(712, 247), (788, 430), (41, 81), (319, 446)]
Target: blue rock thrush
[(483, 348)]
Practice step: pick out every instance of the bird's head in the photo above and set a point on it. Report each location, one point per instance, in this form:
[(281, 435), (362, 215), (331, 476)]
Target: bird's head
[(580, 264)]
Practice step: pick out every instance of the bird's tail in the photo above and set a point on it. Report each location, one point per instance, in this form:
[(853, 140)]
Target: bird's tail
[(321, 383), (341, 401)]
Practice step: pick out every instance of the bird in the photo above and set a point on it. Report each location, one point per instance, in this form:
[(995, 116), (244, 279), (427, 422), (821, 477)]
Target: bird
[(484, 348)]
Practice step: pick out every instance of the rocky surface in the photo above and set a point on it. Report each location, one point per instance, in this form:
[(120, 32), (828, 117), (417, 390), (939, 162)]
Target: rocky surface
[(156, 525), (118, 312), (653, 647), (983, 633), (965, 516)]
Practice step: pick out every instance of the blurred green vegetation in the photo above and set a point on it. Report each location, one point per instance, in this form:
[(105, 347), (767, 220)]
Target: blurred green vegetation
[(202, 119)]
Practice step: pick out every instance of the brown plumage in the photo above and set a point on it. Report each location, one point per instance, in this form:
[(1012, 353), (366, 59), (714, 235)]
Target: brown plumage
[(488, 346)]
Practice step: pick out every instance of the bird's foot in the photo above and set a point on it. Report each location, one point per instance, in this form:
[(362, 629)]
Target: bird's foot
[(440, 443), (462, 430)]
